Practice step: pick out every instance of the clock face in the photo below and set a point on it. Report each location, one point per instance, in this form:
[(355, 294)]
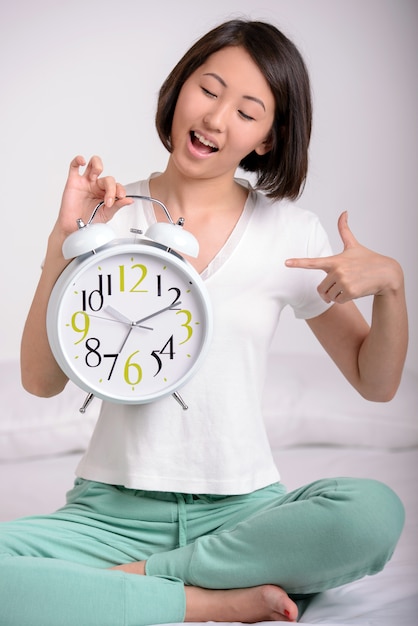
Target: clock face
[(130, 323)]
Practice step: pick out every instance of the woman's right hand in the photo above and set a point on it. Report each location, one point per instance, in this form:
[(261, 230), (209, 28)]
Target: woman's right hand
[(83, 192), (41, 375)]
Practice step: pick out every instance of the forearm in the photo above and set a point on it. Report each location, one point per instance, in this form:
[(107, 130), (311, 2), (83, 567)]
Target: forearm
[(383, 352), (40, 373)]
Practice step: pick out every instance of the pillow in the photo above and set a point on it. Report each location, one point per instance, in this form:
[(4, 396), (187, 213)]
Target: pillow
[(33, 427), (307, 401)]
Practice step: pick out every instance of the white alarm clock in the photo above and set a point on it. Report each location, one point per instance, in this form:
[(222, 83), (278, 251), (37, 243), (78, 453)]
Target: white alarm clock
[(129, 320)]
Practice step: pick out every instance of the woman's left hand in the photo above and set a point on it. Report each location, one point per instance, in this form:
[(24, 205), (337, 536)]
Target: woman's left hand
[(355, 272)]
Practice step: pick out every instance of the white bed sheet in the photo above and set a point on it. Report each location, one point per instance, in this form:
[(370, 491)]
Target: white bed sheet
[(387, 599)]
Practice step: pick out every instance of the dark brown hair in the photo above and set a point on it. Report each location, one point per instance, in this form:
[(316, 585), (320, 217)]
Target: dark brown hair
[(281, 171)]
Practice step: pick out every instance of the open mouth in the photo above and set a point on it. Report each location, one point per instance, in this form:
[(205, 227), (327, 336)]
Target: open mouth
[(199, 141)]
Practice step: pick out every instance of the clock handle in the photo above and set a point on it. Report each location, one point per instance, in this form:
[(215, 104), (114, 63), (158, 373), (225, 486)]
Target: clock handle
[(91, 236), (149, 198)]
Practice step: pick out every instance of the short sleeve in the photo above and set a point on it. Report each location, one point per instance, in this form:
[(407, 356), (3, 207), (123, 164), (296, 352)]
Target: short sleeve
[(311, 304)]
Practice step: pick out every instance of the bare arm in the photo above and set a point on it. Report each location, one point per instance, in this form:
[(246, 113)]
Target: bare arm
[(40, 372), (371, 357)]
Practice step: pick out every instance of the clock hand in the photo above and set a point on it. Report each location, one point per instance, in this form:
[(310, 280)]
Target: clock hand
[(136, 324), (122, 318), (117, 315), (126, 339), (166, 308)]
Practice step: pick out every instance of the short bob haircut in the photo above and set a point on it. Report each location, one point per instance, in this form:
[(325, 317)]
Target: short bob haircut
[(282, 171)]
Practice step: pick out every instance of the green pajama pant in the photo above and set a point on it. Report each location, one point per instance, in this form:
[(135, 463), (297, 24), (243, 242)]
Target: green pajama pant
[(54, 569)]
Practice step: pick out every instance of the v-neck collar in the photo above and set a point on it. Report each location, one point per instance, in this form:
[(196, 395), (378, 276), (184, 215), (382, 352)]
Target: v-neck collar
[(234, 238)]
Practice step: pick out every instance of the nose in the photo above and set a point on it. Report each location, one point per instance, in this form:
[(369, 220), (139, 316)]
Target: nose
[(216, 119)]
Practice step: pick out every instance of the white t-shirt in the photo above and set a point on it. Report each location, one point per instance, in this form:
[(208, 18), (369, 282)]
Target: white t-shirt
[(219, 445)]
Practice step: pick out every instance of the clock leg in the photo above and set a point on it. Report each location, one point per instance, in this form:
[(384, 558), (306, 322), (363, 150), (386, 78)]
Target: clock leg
[(86, 403), (180, 400)]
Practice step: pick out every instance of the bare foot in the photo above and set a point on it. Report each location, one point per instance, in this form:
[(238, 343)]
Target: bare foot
[(255, 604), (252, 604)]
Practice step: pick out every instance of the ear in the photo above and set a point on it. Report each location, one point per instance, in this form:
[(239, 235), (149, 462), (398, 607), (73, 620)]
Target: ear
[(265, 146)]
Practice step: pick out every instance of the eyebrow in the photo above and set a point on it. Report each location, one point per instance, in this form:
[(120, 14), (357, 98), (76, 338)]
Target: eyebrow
[(223, 83)]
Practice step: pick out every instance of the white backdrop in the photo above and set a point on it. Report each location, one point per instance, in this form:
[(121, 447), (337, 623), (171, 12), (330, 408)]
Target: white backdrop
[(83, 76)]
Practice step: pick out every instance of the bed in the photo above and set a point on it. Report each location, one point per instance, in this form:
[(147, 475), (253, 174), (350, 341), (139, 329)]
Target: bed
[(318, 427)]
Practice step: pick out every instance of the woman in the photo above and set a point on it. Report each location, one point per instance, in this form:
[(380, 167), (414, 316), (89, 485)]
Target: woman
[(184, 518)]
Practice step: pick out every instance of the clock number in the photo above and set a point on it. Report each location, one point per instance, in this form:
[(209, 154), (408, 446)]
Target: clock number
[(164, 350), (94, 300), (82, 327), (159, 362), (134, 289), (178, 294), (186, 324), (160, 291), (115, 358), (93, 357), (132, 372)]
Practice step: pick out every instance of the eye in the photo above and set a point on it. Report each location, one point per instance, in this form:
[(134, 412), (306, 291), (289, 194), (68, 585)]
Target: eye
[(245, 116), (208, 93)]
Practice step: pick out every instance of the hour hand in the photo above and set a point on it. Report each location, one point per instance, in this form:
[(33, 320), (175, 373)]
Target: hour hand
[(117, 315)]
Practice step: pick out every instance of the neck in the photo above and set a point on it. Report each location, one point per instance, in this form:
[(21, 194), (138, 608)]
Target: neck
[(211, 208), (183, 195)]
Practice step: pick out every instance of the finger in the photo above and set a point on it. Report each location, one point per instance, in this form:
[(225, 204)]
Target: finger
[(108, 186), (337, 295), (321, 263), (334, 293), (94, 169), (120, 191), (324, 289), (120, 200), (76, 163), (331, 291), (346, 235), (327, 289)]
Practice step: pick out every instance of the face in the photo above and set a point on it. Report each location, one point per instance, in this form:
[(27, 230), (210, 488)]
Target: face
[(224, 111)]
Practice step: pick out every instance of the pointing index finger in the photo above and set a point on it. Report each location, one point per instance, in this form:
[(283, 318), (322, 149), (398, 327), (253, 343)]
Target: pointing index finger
[(321, 263)]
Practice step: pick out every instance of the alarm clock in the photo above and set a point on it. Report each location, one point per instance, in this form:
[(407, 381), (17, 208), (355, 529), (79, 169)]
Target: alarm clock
[(130, 320)]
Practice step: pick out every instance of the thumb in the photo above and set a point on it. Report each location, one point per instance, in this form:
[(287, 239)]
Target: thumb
[(346, 235), (76, 163)]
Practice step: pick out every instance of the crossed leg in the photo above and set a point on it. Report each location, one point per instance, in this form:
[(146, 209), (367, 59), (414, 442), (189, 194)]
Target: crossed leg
[(252, 604)]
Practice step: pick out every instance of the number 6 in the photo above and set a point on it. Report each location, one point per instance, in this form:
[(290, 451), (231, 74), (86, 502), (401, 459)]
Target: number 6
[(136, 369)]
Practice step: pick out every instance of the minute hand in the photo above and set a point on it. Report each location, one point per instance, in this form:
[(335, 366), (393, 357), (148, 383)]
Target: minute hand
[(166, 308)]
